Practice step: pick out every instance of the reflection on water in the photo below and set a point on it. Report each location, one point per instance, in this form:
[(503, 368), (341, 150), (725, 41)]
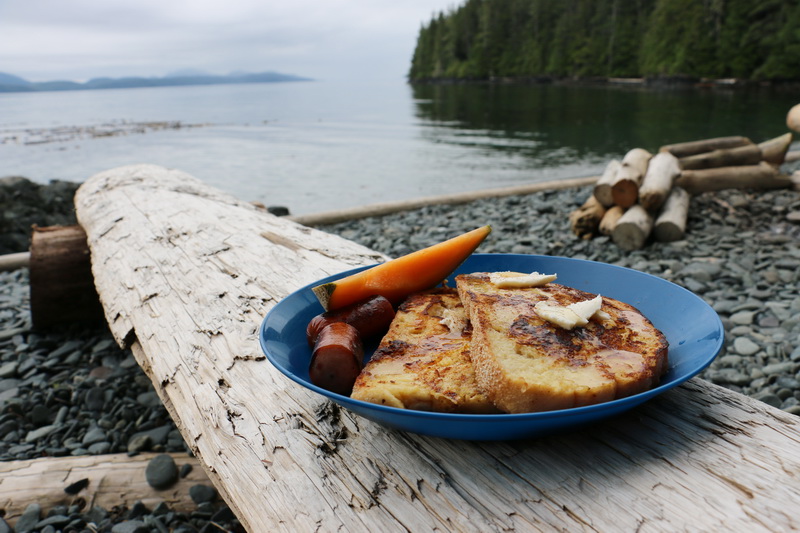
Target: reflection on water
[(554, 124)]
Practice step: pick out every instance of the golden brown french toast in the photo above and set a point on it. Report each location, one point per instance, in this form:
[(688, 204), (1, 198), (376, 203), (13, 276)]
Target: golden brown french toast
[(423, 360), (527, 363)]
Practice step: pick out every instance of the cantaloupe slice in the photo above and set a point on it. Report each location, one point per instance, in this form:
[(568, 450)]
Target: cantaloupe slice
[(396, 279)]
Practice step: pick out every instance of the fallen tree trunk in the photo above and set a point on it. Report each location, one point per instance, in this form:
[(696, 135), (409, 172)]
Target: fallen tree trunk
[(671, 222), (690, 148), (658, 180), (633, 228), (744, 155), (625, 189), (602, 189), (761, 176), (62, 288), (774, 150), (114, 479), (586, 219)]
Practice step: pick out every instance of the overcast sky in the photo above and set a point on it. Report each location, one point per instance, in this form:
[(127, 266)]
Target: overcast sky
[(43, 40)]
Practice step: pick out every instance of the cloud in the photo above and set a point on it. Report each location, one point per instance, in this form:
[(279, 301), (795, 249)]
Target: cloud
[(51, 39)]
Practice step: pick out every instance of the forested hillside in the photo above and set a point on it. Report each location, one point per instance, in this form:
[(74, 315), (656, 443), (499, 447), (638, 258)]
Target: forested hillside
[(484, 39)]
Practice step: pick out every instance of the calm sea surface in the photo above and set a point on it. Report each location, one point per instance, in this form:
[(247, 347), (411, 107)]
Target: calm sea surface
[(317, 146)]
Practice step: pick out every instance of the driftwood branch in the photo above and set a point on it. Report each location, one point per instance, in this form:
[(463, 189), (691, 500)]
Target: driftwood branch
[(761, 176), (602, 189), (743, 155), (586, 219), (625, 188), (116, 479), (186, 274), (658, 180), (686, 149), (773, 151), (671, 222), (633, 228)]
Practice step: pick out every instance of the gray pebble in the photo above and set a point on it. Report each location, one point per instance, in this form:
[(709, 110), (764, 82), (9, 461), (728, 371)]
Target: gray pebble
[(202, 493), (130, 526), (161, 472), (745, 346), (29, 518)]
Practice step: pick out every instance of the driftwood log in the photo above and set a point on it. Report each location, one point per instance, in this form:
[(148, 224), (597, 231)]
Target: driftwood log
[(671, 222), (658, 180), (760, 176), (602, 189), (774, 151), (690, 148), (116, 479), (633, 228), (749, 154), (186, 274), (586, 219), (625, 188), (62, 288), (609, 220)]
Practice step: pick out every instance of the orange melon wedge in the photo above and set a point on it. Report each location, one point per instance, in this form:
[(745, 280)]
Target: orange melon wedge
[(396, 279)]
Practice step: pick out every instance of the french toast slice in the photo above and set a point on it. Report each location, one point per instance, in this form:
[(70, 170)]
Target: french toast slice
[(423, 360), (528, 364)]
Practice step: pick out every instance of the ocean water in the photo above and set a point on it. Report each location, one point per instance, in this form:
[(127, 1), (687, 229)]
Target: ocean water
[(318, 146)]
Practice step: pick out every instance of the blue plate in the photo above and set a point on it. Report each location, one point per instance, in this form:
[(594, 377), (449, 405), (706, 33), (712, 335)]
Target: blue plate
[(693, 329)]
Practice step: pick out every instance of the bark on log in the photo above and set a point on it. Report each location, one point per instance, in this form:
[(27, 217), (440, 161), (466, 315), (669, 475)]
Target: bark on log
[(633, 228), (585, 220), (602, 189), (774, 150), (609, 221), (761, 176), (690, 148), (658, 180), (671, 222), (625, 189), (62, 288), (199, 272), (743, 155), (115, 479)]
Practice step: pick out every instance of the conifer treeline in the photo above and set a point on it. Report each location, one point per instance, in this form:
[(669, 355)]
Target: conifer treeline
[(483, 39)]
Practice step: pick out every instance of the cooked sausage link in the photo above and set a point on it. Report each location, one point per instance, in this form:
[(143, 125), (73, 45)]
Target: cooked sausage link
[(337, 358), (371, 317)]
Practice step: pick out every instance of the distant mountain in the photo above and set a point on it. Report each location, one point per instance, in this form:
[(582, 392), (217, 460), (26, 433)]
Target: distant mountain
[(11, 83)]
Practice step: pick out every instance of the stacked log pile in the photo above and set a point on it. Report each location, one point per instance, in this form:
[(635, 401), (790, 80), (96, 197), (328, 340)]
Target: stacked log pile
[(647, 196)]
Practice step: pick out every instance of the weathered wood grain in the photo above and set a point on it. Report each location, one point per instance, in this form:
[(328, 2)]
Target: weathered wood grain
[(186, 275)]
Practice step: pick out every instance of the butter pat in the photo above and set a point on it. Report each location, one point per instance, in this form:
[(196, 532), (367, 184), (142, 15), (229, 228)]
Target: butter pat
[(567, 317), (515, 280)]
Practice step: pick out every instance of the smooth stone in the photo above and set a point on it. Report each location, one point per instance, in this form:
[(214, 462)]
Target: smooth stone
[(778, 368), (29, 518), (99, 448), (202, 493), (5, 527), (744, 346), (56, 522), (94, 435), (8, 370), (130, 526), (40, 415), (38, 433), (161, 472), (768, 398), (95, 399), (74, 488), (743, 318)]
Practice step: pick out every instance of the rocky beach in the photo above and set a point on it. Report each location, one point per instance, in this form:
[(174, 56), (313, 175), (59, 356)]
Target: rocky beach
[(71, 391)]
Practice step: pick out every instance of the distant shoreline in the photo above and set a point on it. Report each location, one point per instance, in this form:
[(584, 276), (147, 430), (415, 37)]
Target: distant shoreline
[(12, 84), (677, 82)]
